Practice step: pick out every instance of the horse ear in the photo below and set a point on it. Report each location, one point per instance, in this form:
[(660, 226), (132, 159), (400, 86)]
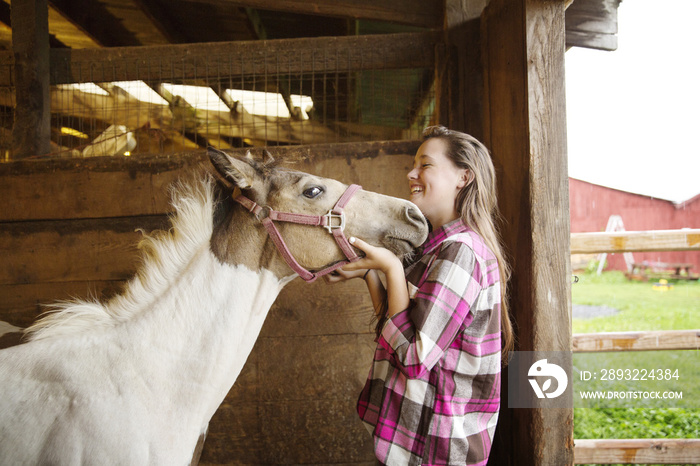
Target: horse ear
[(236, 170)]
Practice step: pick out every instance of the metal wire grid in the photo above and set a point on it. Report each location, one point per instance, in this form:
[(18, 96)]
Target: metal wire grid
[(223, 107)]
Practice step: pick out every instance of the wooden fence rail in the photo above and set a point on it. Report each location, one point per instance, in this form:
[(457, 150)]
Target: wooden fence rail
[(636, 341), (635, 241), (636, 451)]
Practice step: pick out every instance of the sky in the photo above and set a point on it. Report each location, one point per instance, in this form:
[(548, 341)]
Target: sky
[(633, 115)]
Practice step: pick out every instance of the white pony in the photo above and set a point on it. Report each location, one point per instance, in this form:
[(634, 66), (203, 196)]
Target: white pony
[(135, 380)]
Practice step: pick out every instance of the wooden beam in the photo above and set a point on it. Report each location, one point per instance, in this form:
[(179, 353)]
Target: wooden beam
[(5, 26), (69, 33), (592, 24), (422, 13), (96, 21), (31, 133), (635, 241), (591, 40), (72, 250), (243, 58), (86, 188), (22, 304), (525, 129), (636, 341), (162, 20), (637, 451)]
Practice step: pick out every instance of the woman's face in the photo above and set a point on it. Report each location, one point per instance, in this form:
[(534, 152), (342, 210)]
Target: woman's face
[(435, 182)]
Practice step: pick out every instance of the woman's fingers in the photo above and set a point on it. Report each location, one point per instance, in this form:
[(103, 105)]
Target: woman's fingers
[(375, 257), (334, 277), (360, 244), (344, 273)]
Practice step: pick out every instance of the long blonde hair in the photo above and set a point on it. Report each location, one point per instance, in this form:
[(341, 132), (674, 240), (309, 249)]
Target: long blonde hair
[(478, 207)]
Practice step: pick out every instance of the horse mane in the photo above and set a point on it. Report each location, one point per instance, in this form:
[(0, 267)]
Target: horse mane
[(163, 255)]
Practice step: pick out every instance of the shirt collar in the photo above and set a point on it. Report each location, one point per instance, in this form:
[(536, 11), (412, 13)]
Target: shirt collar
[(441, 234)]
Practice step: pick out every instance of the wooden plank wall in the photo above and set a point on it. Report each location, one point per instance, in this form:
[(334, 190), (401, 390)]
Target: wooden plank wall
[(67, 229)]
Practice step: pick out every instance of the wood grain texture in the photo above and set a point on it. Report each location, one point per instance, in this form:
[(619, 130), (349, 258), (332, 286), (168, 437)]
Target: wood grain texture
[(525, 128), (638, 451), (423, 13), (72, 250), (636, 341), (102, 187), (31, 129), (20, 305), (636, 241), (242, 58)]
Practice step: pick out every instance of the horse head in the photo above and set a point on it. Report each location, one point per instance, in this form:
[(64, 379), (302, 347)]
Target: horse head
[(307, 217)]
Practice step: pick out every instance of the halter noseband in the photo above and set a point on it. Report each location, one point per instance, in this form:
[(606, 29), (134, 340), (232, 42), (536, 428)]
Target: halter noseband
[(333, 221)]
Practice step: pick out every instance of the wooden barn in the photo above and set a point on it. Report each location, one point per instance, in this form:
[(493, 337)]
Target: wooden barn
[(104, 103), (593, 206)]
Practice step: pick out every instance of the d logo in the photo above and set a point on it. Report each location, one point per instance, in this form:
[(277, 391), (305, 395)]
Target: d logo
[(543, 369)]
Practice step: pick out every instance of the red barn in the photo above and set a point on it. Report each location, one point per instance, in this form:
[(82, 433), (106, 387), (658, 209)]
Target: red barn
[(592, 205)]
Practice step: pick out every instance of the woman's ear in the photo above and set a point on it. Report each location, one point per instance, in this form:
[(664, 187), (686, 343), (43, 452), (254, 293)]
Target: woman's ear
[(466, 177)]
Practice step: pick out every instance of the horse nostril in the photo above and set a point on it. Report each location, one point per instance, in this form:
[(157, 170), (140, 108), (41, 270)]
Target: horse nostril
[(414, 215)]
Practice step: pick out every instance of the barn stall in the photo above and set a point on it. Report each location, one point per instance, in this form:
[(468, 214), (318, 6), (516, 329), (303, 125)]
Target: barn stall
[(104, 104)]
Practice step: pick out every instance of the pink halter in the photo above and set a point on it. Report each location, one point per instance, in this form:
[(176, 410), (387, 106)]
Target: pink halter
[(326, 221)]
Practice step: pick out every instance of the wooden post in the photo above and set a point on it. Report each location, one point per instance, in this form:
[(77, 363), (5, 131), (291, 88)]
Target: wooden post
[(31, 133), (525, 128), (459, 73)]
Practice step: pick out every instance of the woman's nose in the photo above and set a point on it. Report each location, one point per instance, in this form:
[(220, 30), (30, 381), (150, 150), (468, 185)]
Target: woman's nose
[(411, 175)]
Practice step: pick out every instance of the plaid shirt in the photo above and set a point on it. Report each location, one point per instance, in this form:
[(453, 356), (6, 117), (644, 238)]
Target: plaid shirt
[(433, 393)]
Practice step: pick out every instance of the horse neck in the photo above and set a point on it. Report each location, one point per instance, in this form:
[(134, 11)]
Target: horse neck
[(241, 239), (197, 335)]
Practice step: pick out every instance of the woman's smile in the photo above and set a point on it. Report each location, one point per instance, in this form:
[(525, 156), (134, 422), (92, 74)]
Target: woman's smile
[(435, 182)]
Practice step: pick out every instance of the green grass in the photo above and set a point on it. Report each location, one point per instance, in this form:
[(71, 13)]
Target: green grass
[(641, 308), (630, 423)]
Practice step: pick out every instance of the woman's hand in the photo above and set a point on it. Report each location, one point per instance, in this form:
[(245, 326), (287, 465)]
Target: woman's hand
[(396, 292), (340, 275), (375, 258)]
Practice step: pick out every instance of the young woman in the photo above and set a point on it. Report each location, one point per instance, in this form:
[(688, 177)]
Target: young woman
[(433, 393)]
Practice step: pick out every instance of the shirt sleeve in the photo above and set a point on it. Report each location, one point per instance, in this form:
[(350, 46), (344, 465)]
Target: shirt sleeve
[(417, 337)]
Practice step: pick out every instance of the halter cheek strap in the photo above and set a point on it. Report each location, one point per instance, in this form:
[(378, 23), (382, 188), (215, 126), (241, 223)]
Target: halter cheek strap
[(333, 221)]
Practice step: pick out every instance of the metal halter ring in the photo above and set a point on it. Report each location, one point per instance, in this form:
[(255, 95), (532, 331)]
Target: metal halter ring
[(329, 221)]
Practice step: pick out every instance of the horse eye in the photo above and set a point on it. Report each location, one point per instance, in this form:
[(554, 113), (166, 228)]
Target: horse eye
[(313, 192)]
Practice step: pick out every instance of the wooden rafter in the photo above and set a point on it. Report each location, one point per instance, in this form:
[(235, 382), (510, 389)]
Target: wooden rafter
[(162, 21), (68, 32), (422, 13), (96, 21)]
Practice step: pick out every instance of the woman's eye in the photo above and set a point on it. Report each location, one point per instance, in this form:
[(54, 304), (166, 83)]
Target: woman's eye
[(313, 192)]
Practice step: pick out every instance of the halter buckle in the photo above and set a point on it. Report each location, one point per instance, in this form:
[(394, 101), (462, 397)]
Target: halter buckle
[(329, 221)]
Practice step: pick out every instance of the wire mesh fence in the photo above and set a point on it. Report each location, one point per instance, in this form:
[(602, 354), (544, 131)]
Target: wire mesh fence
[(162, 100)]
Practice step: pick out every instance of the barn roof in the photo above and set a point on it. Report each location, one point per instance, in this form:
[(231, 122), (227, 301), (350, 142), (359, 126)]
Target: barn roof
[(650, 193), (118, 23), (391, 101)]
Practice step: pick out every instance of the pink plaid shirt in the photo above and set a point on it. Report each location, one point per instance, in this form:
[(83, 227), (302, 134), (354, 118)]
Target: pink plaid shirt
[(433, 393)]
